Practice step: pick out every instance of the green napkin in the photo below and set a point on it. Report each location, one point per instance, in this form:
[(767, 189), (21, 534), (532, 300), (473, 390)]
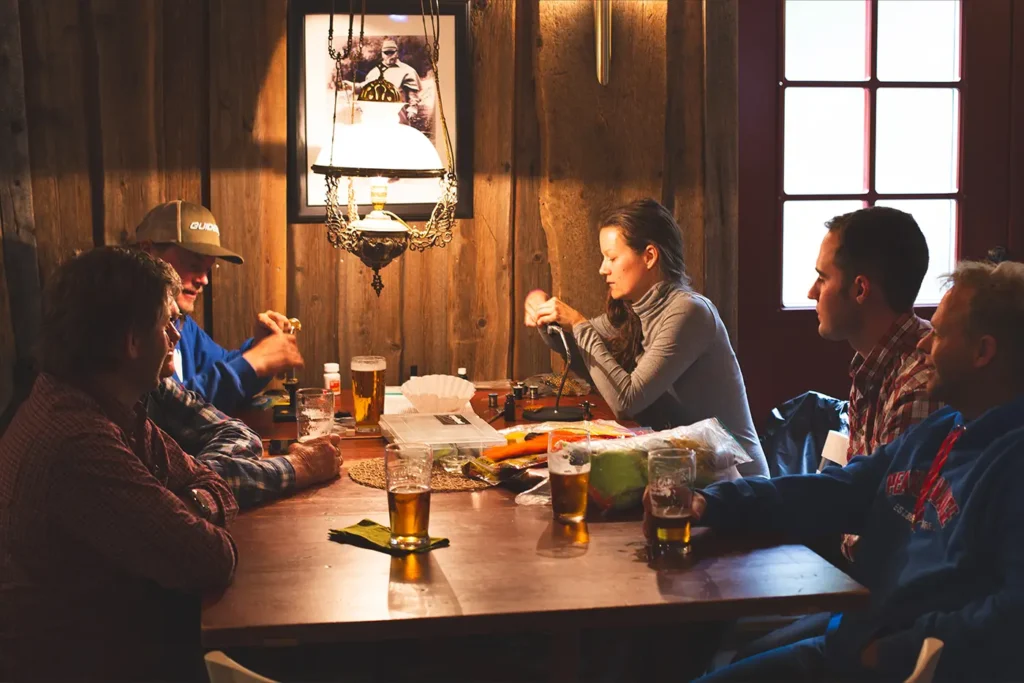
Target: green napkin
[(369, 534)]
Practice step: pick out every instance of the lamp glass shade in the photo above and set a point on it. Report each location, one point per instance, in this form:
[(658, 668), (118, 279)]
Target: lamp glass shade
[(377, 141)]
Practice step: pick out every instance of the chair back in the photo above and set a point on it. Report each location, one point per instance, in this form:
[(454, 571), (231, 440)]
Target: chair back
[(927, 660), (223, 669)]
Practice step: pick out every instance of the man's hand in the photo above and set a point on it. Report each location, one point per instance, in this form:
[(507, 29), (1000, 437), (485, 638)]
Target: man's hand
[(849, 545), (533, 301), (274, 354), (268, 323), (697, 506), (555, 311), (316, 460)]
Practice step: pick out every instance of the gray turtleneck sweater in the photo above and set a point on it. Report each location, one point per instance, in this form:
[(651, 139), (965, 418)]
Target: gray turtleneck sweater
[(687, 371)]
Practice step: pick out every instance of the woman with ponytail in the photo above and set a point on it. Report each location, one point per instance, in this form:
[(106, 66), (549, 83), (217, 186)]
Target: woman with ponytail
[(660, 353)]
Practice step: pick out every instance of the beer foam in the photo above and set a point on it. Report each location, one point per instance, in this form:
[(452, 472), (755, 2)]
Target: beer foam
[(369, 363), (559, 463)]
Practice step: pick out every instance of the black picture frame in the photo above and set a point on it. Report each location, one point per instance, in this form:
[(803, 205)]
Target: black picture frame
[(460, 129)]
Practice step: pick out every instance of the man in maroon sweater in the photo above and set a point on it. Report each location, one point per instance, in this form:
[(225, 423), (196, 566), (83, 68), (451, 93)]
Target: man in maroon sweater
[(108, 531)]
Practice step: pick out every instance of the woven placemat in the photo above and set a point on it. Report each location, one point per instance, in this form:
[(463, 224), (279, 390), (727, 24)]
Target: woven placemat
[(371, 473)]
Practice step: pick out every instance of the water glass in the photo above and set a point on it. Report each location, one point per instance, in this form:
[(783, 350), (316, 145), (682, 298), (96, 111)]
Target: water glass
[(314, 413)]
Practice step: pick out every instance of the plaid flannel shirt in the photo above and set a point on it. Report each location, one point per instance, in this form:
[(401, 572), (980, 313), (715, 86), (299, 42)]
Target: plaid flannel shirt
[(228, 446), (101, 556), (889, 393)]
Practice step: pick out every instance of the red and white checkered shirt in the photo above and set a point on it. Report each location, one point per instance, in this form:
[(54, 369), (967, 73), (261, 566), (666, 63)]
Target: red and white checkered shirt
[(889, 393), (101, 561)]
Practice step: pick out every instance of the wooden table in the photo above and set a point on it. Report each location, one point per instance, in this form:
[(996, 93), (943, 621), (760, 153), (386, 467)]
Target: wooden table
[(509, 568)]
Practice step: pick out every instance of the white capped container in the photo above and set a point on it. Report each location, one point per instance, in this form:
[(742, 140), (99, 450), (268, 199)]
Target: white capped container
[(332, 377)]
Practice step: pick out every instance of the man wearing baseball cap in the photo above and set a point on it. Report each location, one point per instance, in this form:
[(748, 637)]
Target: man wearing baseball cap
[(187, 236)]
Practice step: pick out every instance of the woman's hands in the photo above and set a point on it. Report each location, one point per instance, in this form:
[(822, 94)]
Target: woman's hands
[(541, 310), (533, 301)]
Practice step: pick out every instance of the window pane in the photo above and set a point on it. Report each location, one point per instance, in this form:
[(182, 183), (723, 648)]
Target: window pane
[(937, 218), (916, 144), (826, 41), (824, 136), (919, 40), (803, 228)]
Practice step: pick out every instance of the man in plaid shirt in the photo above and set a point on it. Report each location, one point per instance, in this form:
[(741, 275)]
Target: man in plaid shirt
[(870, 268), (109, 533), (233, 450)]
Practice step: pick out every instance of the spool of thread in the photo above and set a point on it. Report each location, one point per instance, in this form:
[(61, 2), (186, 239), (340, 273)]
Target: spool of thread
[(492, 401)]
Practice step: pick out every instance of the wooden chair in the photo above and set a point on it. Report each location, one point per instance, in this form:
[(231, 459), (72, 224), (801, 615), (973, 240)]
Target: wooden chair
[(927, 660), (223, 669)]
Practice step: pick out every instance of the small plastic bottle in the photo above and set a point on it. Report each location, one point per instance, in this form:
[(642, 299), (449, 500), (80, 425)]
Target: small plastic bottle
[(332, 377)]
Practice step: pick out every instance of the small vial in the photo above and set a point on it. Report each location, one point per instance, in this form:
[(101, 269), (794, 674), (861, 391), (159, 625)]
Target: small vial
[(462, 374), (510, 408), (517, 390), (332, 377), (414, 371), (492, 401), (532, 393)]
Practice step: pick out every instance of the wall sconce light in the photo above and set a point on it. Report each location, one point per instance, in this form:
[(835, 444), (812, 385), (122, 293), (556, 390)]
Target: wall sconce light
[(603, 39)]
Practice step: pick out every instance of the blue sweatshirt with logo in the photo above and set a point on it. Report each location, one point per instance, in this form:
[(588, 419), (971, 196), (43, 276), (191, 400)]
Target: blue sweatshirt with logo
[(958, 576), (222, 377)]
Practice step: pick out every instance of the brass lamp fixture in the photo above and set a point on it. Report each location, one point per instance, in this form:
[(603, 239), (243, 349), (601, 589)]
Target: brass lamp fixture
[(374, 144)]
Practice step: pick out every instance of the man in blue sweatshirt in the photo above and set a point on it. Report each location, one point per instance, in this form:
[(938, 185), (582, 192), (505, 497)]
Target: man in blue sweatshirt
[(938, 510), (187, 236)]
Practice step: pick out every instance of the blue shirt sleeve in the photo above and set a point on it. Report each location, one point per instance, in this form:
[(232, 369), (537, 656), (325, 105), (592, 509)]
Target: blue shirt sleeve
[(803, 505), (224, 378)]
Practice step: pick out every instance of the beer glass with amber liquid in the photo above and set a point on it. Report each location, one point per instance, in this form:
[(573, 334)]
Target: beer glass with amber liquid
[(368, 392), (569, 469), (407, 469), (670, 477)]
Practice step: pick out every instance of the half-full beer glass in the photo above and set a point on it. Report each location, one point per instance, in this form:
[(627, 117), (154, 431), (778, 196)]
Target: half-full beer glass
[(407, 468), (368, 391), (569, 468), (670, 476)]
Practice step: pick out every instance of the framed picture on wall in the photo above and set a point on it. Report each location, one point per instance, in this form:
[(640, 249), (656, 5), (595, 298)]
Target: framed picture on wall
[(321, 91)]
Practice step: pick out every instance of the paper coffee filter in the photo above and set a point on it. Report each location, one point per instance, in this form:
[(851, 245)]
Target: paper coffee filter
[(438, 393)]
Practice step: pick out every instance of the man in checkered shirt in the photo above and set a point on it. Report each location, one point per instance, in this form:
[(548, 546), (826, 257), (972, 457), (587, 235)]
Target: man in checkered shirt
[(870, 268), (233, 450)]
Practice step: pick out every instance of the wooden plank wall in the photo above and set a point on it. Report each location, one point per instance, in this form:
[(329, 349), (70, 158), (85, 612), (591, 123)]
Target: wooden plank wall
[(131, 102)]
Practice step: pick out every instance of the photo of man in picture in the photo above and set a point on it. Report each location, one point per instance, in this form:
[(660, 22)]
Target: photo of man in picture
[(415, 90)]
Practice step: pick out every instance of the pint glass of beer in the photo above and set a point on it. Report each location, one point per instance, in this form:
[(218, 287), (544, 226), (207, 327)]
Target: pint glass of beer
[(670, 476), (368, 391), (407, 468), (569, 469)]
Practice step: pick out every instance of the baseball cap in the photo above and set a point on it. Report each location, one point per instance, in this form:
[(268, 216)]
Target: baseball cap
[(188, 225)]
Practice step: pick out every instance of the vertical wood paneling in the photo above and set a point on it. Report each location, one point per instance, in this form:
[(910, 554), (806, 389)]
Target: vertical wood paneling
[(248, 131), (183, 146), (19, 318), (368, 326), (684, 130), (7, 351), (530, 245), (600, 145), (58, 137), (480, 277), (425, 295), (721, 161), (313, 298), (129, 61)]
